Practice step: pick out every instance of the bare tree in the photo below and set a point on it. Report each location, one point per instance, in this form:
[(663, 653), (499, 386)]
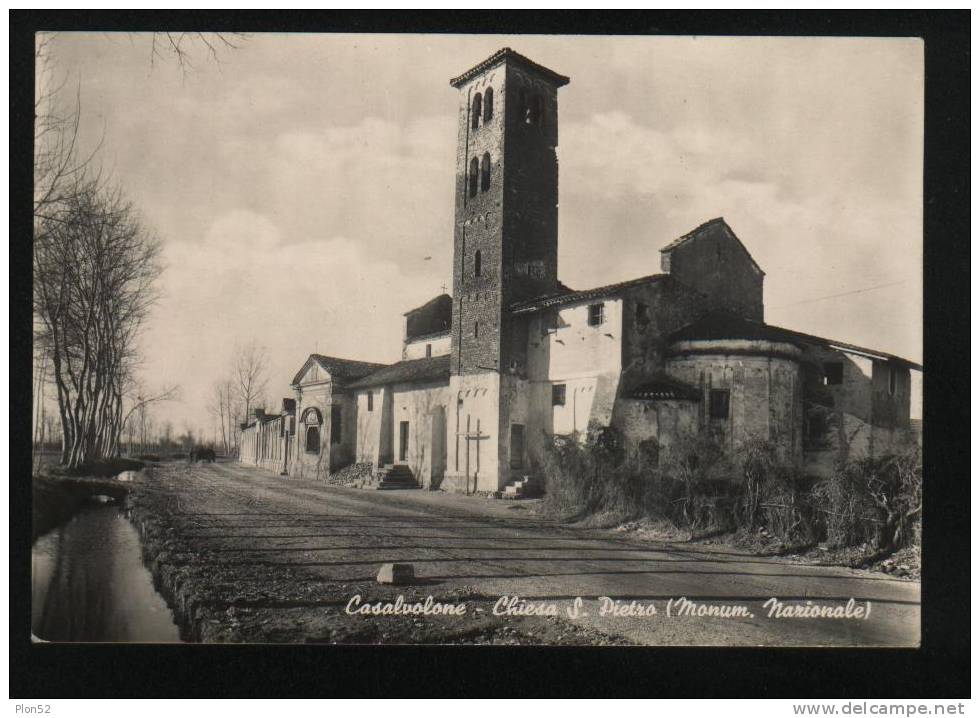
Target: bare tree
[(251, 375), (167, 434), (182, 46), (222, 408), (134, 421), (94, 272), (60, 172)]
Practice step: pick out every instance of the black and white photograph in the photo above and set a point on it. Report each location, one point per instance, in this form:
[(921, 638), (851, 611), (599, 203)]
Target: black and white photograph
[(477, 339)]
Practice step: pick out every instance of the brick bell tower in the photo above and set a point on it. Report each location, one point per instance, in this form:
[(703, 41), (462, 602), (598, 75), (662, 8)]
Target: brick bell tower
[(505, 246)]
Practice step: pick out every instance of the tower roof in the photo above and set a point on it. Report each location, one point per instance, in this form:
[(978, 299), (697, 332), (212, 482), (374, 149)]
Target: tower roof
[(506, 54)]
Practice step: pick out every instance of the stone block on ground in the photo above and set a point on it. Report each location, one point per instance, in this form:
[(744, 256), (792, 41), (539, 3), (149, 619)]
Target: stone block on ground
[(396, 573)]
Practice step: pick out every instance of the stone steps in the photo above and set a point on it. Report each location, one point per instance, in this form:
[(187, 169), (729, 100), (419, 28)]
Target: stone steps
[(396, 476), (519, 489)]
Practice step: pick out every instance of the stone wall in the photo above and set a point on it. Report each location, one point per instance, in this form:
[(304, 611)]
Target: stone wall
[(714, 262), (651, 312), (478, 229), (513, 223)]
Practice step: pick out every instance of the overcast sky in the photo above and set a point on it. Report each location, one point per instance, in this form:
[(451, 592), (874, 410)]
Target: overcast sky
[(303, 185)]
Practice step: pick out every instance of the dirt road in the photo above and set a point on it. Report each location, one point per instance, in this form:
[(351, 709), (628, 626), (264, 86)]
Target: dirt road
[(248, 555)]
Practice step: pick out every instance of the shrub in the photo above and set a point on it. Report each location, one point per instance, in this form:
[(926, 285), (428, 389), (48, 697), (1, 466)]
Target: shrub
[(774, 496), (873, 500), (690, 483), (692, 487), (590, 475)]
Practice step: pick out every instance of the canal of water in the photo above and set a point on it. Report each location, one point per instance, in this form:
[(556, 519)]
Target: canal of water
[(89, 584)]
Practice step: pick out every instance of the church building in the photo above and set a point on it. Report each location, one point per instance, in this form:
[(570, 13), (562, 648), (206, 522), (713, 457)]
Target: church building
[(514, 357)]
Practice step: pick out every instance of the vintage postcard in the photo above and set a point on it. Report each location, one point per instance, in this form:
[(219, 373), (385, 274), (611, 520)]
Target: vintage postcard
[(477, 339)]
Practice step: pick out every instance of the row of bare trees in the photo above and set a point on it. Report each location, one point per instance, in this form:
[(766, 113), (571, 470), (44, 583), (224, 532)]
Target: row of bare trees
[(94, 271), (94, 267), (240, 392)]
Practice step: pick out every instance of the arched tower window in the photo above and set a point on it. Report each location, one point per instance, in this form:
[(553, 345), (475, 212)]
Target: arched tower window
[(477, 263), (477, 110), (485, 173), (488, 105), (474, 175)]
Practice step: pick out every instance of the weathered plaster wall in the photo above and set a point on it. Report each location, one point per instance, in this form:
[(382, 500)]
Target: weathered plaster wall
[(369, 426), (319, 394), (415, 349), (663, 421), (342, 450), (858, 417), (424, 408), (764, 393), (474, 402), (562, 348), (266, 444), (562, 345)]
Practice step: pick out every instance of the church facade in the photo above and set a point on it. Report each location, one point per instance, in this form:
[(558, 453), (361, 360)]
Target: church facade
[(514, 357)]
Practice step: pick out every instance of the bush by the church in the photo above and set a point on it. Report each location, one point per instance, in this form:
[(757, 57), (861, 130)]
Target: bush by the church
[(877, 501), (695, 487)]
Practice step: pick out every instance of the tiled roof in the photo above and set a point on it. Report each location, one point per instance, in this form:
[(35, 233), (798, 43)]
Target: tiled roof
[(701, 228), (694, 232), (664, 387), (570, 297), (339, 368), (411, 370), (728, 325), (506, 53)]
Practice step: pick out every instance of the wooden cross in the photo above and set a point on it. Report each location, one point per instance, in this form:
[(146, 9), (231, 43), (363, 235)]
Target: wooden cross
[(469, 436)]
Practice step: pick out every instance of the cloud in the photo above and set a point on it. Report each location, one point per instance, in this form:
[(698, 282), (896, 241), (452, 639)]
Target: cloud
[(245, 283), (392, 184), (299, 184), (632, 187)]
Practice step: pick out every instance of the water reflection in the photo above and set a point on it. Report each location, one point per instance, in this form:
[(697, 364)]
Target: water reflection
[(89, 584)]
